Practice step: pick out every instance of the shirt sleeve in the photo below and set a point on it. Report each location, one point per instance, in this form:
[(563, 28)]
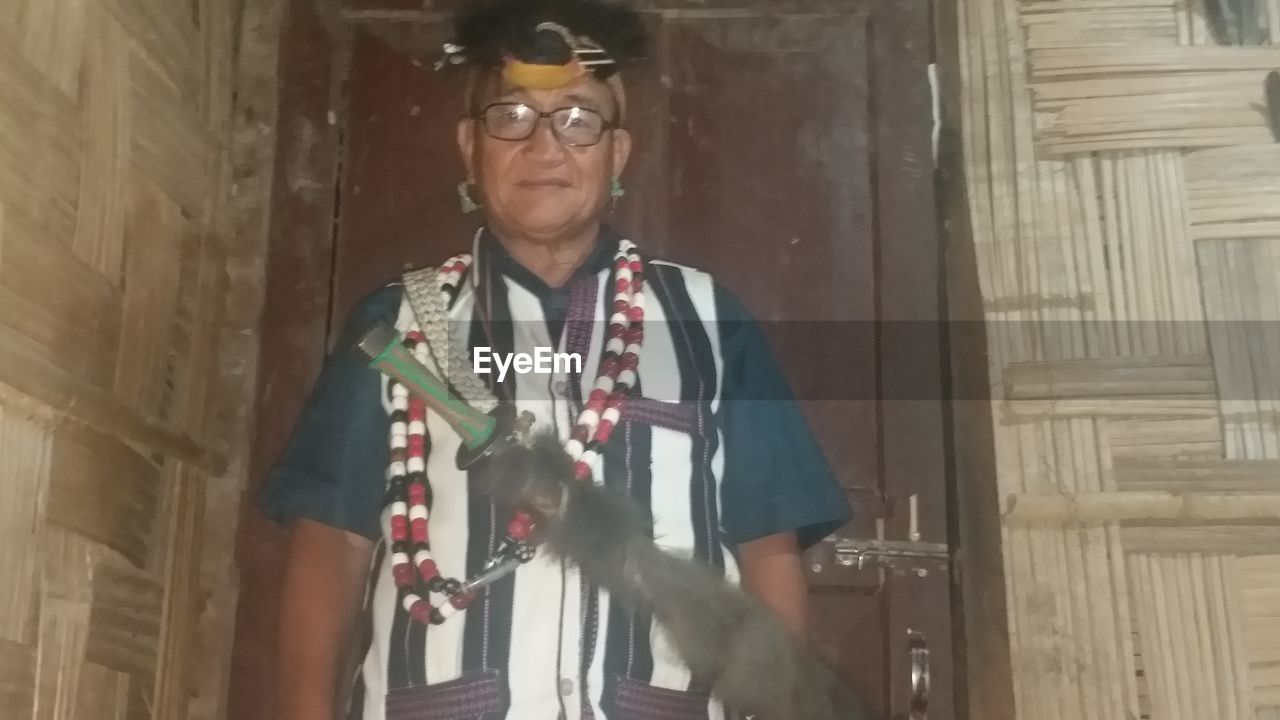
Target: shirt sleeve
[(776, 478), (333, 470)]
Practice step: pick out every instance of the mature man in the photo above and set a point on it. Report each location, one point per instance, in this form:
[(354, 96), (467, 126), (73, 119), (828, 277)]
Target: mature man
[(678, 404)]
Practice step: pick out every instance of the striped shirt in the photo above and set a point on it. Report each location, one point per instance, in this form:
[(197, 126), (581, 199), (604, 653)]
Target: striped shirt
[(714, 448)]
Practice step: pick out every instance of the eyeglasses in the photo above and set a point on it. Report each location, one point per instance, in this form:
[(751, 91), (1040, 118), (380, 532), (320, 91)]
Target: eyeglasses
[(573, 126)]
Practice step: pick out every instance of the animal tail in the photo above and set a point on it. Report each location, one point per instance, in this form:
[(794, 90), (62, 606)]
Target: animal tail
[(727, 638)]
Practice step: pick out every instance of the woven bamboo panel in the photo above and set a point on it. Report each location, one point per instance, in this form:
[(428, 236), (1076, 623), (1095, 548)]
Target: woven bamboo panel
[(1242, 295), (1187, 612), (1260, 588), (1161, 438), (1150, 97), (1231, 192), (1122, 189), (116, 121), (1075, 23)]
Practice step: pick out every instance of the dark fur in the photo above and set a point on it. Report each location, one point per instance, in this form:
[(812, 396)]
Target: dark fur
[(727, 638), (490, 30)]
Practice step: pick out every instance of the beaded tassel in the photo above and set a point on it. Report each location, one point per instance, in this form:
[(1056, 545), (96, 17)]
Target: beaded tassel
[(409, 491)]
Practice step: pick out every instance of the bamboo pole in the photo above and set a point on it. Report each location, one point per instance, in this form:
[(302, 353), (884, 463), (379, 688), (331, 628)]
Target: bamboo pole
[(1164, 473), (1093, 508), (25, 450)]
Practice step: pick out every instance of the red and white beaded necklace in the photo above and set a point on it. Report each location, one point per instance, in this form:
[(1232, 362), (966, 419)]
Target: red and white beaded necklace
[(409, 492)]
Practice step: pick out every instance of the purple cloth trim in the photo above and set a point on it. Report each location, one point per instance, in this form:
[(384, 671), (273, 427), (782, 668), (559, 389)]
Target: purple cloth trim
[(640, 701), (469, 696), (591, 621), (579, 320), (682, 416)]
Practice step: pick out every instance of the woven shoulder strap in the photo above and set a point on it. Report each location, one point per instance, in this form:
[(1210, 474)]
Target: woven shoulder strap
[(430, 307)]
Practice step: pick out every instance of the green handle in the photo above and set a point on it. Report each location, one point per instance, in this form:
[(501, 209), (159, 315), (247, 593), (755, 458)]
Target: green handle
[(382, 347)]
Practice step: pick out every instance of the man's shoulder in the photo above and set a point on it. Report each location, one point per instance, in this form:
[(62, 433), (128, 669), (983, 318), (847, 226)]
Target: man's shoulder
[(382, 301), (696, 281), (729, 310), (380, 305), (665, 265)]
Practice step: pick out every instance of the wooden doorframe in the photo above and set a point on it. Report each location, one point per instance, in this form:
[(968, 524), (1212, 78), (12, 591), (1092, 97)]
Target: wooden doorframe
[(314, 59), (913, 365), (979, 611), (313, 56)]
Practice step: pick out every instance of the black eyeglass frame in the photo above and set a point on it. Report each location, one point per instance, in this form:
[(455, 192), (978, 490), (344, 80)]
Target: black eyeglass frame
[(608, 124)]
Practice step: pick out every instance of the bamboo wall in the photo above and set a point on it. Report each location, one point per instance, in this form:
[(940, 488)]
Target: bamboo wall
[(1124, 192), (117, 142)]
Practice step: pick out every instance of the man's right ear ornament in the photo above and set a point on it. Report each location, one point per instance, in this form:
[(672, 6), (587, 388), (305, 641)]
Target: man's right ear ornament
[(469, 205)]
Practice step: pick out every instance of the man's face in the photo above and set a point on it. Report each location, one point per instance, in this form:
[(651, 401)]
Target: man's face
[(538, 187)]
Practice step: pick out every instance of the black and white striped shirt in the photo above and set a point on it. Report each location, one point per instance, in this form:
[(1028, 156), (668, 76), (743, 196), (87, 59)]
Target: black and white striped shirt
[(546, 643)]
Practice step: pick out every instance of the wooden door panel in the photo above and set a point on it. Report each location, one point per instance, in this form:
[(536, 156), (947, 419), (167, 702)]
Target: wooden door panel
[(398, 199), (768, 185)]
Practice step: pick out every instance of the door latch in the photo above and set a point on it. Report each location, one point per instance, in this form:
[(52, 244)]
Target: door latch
[(913, 555), (897, 554), (909, 554)]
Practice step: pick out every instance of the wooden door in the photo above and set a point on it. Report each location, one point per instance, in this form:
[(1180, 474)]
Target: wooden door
[(789, 154)]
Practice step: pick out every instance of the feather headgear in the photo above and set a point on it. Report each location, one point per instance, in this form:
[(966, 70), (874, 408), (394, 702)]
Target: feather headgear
[(543, 44)]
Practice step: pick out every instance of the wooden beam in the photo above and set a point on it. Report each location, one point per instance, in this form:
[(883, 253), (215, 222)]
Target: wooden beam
[(984, 688), (242, 201), (294, 312), (433, 11), (1094, 508)]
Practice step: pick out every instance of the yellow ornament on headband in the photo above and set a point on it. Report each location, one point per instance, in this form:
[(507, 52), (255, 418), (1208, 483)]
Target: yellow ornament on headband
[(536, 76), (583, 55)]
